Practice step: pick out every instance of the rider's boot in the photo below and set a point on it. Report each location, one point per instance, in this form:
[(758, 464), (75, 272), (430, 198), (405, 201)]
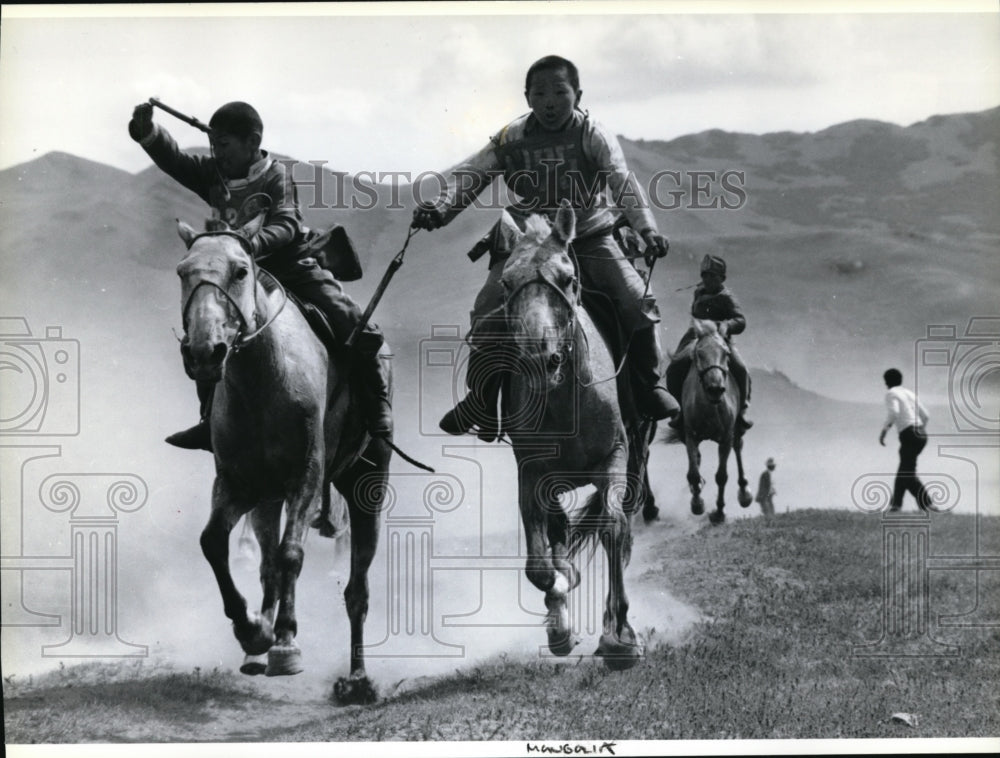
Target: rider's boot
[(644, 356), (742, 377), (374, 376), (676, 372), (199, 436), (479, 407)]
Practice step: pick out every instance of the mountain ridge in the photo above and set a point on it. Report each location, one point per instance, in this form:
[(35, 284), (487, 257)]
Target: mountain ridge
[(840, 251)]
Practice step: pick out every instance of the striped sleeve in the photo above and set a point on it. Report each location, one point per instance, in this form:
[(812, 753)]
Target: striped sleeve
[(626, 191)]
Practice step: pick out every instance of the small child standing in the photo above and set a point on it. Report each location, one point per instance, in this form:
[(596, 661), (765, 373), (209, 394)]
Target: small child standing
[(765, 489)]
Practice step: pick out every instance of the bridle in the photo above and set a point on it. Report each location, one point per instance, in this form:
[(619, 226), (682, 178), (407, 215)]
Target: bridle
[(244, 334), (702, 371), (541, 278), (572, 304)]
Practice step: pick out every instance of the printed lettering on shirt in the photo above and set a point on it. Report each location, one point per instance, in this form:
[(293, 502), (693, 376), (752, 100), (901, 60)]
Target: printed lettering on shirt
[(549, 173)]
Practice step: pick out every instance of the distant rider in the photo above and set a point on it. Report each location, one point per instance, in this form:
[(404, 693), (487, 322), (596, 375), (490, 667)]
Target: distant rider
[(715, 302)]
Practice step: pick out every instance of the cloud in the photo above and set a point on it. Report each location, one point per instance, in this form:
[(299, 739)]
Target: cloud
[(416, 92)]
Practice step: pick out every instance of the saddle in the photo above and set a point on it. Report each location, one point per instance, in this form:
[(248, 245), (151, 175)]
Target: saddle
[(334, 251), (318, 321)]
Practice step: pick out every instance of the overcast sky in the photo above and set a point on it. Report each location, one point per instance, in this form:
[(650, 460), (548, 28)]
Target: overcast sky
[(384, 92)]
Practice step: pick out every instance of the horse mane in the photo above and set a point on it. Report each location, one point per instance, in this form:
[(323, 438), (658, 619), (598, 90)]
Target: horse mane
[(537, 229), (268, 283), (703, 326)]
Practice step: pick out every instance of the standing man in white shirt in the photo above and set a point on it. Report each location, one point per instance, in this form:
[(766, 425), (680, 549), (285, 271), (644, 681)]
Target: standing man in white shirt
[(910, 418)]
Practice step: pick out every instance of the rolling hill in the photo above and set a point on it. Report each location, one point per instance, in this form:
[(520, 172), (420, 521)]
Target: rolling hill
[(850, 243), (847, 244)]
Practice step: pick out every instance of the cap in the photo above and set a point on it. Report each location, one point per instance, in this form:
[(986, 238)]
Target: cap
[(237, 118), (770, 463), (713, 263)]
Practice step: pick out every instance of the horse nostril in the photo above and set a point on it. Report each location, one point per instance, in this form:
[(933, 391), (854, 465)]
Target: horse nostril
[(219, 352)]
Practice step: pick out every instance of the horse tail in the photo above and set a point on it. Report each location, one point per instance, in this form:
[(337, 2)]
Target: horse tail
[(592, 522)]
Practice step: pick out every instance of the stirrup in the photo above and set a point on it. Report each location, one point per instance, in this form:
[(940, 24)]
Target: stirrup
[(488, 432), (460, 420), (453, 422)]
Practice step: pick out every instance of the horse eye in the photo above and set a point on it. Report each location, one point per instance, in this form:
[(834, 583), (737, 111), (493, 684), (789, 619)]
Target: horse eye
[(241, 273)]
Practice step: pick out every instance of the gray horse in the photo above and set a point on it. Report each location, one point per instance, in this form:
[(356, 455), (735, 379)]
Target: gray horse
[(284, 426), (562, 414), (710, 401)]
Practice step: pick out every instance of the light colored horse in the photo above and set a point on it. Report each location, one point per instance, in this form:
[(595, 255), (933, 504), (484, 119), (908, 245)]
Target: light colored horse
[(562, 414), (284, 426), (711, 402)]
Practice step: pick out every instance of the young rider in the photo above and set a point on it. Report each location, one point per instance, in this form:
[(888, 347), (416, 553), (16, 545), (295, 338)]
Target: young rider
[(553, 153), (713, 301), (240, 181)]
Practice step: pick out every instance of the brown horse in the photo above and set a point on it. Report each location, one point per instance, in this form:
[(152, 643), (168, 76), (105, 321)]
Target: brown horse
[(284, 426), (711, 401), (562, 415)]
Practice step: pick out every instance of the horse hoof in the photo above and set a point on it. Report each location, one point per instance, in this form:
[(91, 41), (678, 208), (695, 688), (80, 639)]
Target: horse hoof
[(717, 517), (284, 660), (355, 690), (745, 498), (618, 655), (254, 665), (697, 506), (561, 643), (325, 527), (650, 514), (259, 638)]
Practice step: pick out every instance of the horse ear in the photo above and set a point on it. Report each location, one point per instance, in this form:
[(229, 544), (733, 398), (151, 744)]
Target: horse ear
[(565, 227), (506, 235), (252, 227), (186, 232)]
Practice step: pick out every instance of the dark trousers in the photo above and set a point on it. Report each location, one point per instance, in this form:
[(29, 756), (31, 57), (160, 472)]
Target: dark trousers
[(912, 441), (322, 290)]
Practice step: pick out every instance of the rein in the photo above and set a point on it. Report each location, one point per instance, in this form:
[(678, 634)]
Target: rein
[(540, 278), (628, 342)]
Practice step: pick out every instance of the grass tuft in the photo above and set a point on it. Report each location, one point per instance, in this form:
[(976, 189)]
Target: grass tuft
[(785, 602)]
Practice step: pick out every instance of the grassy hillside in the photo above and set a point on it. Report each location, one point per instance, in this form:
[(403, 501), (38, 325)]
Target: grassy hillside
[(784, 602)]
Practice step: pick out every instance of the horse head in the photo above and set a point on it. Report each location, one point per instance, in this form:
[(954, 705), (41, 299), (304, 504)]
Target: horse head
[(711, 358), (541, 293), (219, 302)]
